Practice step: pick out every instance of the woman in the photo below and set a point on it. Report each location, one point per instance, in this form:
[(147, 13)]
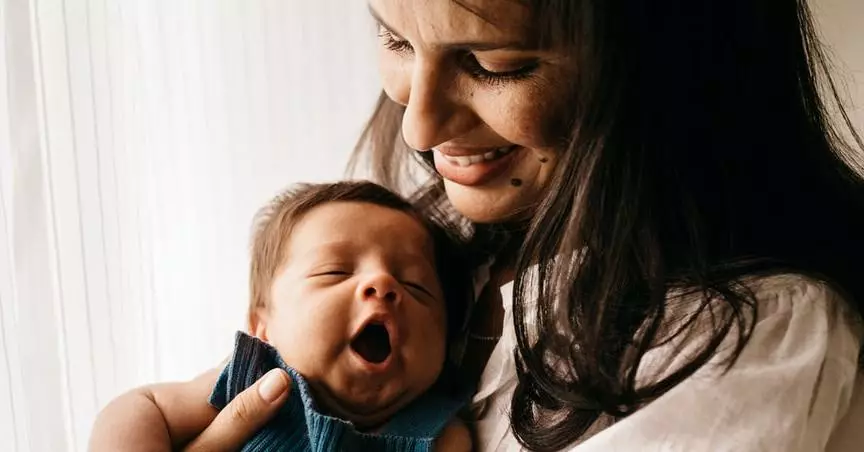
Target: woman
[(661, 183)]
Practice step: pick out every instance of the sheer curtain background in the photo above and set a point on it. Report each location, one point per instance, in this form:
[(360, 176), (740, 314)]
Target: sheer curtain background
[(137, 138)]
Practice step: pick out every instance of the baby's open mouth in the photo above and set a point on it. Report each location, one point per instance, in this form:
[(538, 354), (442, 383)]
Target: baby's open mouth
[(373, 343)]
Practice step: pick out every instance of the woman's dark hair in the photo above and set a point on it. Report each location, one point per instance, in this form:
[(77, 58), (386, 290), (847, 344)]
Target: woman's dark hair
[(702, 153)]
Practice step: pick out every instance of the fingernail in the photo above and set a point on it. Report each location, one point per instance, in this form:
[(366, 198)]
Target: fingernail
[(274, 385)]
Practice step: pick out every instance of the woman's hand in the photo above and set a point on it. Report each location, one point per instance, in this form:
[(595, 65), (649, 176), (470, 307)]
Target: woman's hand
[(244, 415)]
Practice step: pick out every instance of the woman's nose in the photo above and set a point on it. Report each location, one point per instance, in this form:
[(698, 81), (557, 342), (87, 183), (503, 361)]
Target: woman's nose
[(434, 109), (379, 287)]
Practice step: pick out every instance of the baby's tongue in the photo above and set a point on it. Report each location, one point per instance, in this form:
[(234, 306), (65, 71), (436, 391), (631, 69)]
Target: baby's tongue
[(373, 343)]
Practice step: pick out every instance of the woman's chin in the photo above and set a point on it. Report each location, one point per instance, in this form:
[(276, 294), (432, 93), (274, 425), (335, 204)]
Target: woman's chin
[(511, 196), (491, 203)]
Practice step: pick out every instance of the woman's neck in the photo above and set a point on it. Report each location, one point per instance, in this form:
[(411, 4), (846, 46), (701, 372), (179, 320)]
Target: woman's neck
[(489, 313), (503, 269), (501, 275)]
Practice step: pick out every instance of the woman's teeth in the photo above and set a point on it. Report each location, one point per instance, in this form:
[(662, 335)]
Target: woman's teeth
[(468, 160)]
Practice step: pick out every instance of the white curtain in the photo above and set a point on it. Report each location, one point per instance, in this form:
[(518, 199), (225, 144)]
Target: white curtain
[(137, 138)]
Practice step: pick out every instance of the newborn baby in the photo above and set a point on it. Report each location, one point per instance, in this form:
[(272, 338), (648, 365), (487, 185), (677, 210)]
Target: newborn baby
[(346, 297)]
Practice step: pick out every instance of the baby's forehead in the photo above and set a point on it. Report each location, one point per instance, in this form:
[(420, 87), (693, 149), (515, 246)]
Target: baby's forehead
[(352, 229), (357, 247)]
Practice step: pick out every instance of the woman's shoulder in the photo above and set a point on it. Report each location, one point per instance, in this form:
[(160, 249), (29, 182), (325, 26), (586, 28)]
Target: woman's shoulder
[(775, 296), (791, 384), (796, 320), (797, 314), (794, 286), (797, 294)]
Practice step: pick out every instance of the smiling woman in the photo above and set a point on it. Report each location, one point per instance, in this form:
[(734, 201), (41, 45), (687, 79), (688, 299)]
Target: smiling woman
[(480, 96)]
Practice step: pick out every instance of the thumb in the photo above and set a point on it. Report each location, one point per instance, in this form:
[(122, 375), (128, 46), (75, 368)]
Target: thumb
[(245, 415)]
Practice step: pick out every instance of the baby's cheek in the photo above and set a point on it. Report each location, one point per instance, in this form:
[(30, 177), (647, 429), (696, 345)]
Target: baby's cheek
[(439, 332), (306, 357), (300, 346), (285, 344), (431, 327)]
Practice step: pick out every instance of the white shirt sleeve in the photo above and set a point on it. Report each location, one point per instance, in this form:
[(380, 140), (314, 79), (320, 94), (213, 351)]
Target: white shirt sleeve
[(787, 392)]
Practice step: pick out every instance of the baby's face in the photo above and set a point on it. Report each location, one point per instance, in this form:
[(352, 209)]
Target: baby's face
[(358, 310)]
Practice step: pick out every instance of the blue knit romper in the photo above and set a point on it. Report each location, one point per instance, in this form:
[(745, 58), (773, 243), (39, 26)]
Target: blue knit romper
[(300, 427)]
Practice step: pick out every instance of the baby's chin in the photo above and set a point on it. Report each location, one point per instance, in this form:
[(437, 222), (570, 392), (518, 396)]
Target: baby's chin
[(366, 411)]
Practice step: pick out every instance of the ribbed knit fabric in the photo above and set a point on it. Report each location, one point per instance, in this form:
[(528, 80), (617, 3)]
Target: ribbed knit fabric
[(300, 427)]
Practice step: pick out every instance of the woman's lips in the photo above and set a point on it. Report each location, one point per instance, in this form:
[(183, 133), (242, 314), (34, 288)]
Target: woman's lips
[(478, 168)]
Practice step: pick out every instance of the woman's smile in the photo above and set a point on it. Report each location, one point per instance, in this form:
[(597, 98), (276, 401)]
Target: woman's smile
[(476, 168)]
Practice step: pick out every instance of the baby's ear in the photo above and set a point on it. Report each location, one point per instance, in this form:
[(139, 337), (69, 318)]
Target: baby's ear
[(258, 320)]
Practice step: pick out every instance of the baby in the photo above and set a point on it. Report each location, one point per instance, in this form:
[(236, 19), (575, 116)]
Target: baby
[(346, 297)]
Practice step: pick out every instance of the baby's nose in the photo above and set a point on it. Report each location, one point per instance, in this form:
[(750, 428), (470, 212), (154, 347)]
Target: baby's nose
[(380, 287)]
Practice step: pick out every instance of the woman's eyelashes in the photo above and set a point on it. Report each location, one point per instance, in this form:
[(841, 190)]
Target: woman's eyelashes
[(399, 46), (467, 61), (478, 72)]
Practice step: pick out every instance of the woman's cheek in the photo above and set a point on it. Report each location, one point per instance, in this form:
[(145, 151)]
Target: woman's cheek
[(512, 116)]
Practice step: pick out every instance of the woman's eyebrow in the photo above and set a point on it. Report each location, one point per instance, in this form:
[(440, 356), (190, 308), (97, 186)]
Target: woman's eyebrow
[(473, 11), (384, 24), (465, 45)]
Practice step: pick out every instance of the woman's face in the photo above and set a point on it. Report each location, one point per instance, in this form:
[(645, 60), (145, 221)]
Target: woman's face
[(480, 95)]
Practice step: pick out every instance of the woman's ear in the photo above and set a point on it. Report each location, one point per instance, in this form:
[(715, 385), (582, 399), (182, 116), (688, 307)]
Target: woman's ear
[(258, 320)]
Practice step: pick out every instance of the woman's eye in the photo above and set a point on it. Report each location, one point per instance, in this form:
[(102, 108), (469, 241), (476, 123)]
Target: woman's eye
[(392, 43), (468, 61), (476, 70)]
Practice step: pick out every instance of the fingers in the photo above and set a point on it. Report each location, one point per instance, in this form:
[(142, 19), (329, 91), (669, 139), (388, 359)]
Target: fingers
[(245, 415)]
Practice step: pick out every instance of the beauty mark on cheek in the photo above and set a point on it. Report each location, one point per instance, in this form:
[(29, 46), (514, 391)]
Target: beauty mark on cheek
[(543, 159), (516, 182)]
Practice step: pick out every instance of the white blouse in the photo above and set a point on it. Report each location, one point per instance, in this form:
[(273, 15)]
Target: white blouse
[(791, 389)]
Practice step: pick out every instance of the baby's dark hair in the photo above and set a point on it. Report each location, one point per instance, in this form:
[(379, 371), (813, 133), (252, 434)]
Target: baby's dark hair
[(274, 223)]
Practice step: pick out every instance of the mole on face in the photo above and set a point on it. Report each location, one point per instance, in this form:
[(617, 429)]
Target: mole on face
[(543, 159), (516, 182)]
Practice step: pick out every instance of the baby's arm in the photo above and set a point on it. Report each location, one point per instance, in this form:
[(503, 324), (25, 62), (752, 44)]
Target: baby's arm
[(167, 416), (161, 417), (454, 438)]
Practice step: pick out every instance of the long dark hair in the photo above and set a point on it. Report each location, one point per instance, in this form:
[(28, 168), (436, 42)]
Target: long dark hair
[(703, 153)]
